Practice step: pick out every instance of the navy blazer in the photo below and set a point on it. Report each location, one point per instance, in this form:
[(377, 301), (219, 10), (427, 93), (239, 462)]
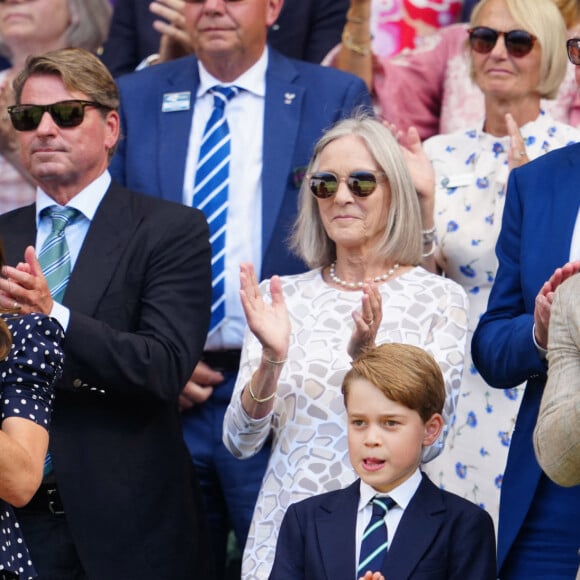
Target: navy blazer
[(305, 29), (538, 221), (152, 155), (440, 537), (139, 311)]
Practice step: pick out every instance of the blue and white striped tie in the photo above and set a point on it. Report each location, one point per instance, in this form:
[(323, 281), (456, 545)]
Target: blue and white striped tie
[(375, 539), (210, 193)]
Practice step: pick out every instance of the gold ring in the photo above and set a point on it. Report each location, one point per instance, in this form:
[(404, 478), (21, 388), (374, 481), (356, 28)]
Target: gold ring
[(522, 153), (16, 306), (370, 322)]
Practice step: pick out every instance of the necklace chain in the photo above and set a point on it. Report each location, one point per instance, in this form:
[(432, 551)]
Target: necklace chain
[(346, 284)]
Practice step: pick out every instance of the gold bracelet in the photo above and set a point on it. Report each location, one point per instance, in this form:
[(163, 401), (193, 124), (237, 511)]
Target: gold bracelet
[(256, 399), (355, 20), (274, 362), (357, 48)]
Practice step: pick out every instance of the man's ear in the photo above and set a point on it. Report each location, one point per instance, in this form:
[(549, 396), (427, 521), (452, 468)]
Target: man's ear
[(274, 7), (433, 428)]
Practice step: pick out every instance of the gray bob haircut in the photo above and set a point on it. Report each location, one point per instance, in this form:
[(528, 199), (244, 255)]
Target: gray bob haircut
[(88, 28), (401, 241), (543, 19)]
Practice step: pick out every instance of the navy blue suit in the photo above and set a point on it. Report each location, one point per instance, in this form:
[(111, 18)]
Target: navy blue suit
[(542, 203), (440, 537), (152, 158), (305, 29)]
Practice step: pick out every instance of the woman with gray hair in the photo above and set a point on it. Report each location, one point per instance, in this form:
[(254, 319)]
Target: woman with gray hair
[(517, 58), (359, 229), (30, 27)]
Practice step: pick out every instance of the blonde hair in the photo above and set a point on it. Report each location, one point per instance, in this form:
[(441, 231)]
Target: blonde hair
[(401, 240), (542, 19), (404, 373)]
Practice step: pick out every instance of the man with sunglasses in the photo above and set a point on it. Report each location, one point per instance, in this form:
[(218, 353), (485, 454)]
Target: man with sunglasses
[(129, 279), (280, 109), (538, 249)]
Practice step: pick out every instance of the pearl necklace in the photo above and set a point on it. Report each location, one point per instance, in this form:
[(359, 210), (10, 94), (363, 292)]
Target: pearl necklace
[(346, 284)]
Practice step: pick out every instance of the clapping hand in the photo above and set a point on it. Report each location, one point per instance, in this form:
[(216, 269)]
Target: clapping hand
[(372, 576), (366, 320)]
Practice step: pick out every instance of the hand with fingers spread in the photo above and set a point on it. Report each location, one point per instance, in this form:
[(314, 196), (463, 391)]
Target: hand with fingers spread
[(367, 321), (175, 40)]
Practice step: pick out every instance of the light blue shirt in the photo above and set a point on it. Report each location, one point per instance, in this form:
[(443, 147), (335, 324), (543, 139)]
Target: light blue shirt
[(86, 201)]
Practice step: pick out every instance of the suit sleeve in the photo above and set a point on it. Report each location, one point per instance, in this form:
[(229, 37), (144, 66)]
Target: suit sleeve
[(557, 433), (150, 327), (503, 348), (289, 559)]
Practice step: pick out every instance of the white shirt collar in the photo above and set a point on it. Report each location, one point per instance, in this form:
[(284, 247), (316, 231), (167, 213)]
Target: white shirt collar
[(86, 201), (402, 494), (253, 80)]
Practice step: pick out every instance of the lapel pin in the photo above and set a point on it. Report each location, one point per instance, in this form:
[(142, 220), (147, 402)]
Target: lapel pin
[(289, 98), (176, 102)]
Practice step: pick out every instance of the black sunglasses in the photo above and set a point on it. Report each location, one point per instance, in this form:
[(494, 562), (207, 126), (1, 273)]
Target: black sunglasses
[(324, 184), (518, 43), (64, 113), (573, 48)]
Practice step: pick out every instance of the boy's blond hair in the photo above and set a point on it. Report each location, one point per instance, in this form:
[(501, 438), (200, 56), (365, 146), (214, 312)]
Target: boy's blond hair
[(403, 373)]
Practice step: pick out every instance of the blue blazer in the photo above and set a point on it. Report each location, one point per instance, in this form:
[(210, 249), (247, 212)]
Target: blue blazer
[(305, 29), (440, 537), (538, 222), (152, 155)]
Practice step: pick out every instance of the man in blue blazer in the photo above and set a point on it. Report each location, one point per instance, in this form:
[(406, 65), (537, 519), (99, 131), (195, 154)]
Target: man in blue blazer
[(281, 111), (539, 531), (305, 30)]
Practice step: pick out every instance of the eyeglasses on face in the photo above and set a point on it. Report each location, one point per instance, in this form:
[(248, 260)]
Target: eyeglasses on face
[(64, 113), (324, 184), (518, 43), (573, 49)]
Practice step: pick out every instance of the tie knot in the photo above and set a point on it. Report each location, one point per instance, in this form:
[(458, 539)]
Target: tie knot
[(61, 216), (221, 95), (381, 505)]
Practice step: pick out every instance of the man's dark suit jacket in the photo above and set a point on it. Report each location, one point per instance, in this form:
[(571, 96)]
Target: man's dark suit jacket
[(302, 100), (305, 29), (440, 537), (139, 298)]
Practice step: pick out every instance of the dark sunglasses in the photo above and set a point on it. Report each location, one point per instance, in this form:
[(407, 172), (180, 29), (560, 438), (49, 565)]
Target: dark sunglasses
[(64, 113), (518, 43), (324, 184), (573, 48)]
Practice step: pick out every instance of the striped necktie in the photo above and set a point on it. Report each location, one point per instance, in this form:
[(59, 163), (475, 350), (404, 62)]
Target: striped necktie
[(375, 538), (54, 258), (210, 192)]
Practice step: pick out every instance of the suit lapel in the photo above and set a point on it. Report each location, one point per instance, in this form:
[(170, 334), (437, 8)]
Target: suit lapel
[(282, 114), (175, 127), (425, 514), (111, 230), (19, 233), (336, 532)]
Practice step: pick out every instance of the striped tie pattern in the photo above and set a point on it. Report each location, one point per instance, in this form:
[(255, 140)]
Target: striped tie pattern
[(210, 192), (375, 538), (54, 258)]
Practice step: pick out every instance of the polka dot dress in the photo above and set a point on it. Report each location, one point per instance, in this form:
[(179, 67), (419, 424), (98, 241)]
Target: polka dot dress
[(28, 374)]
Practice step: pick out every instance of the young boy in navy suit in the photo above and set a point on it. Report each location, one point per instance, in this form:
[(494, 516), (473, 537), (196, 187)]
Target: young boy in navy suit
[(394, 395)]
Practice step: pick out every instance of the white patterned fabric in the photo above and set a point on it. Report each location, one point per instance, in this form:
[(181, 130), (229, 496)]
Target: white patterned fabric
[(308, 424), (471, 176)]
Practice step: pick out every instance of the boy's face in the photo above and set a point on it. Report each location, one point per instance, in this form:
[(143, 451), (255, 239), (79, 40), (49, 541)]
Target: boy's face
[(385, 438)]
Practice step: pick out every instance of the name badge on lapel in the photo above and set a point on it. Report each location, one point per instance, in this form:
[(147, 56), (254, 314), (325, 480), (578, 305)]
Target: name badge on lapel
[(173, 102)]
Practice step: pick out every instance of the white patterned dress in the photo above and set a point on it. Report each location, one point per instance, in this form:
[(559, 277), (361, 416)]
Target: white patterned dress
[(309, 452), (471, 176)]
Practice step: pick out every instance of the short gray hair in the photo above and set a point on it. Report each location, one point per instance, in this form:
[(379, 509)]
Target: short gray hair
[(401, 241), (88, 28)]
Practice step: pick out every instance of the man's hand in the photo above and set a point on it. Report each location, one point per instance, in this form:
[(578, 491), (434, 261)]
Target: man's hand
[(25, 286), (175, 41), (200, 386)]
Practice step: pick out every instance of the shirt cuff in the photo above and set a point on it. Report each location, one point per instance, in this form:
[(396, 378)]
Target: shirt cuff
[(541, 350), (60, 313)]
